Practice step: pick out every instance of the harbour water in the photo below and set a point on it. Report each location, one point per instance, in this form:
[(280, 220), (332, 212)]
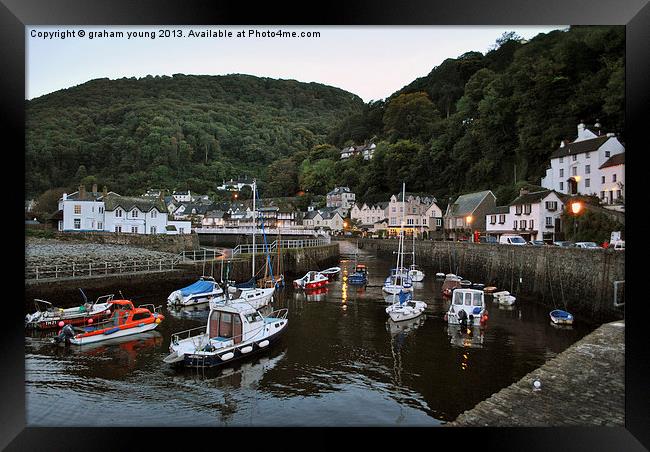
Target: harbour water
[(340, 363)]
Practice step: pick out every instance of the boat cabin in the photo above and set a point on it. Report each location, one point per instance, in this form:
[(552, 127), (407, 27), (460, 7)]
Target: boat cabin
[(467, 305), (124, 312), (233, 323)]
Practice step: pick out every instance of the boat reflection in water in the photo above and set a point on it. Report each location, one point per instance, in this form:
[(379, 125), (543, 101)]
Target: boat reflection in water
[(466, 337), (405, 327), (199, 312), (129, 344), (319, 294), (561, 326), (245, 374)]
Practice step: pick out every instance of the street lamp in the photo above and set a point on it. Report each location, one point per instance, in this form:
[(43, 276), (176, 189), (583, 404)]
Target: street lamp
[(576, 208), (468, 220)]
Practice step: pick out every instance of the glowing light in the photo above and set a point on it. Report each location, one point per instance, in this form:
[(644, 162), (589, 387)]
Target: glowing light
[(576, 207), (469, 219)]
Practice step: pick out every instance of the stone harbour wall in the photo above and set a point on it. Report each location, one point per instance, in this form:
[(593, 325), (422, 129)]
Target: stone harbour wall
[(578, 280)]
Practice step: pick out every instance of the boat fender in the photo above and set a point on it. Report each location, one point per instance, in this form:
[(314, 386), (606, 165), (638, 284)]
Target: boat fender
[(227, 356), (247, 349), (264, 343)]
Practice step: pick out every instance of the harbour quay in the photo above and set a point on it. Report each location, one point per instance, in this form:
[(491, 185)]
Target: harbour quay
[(582, 386), (585, 282)]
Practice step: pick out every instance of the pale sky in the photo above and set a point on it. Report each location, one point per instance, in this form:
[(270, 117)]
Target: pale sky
[(370, 61)]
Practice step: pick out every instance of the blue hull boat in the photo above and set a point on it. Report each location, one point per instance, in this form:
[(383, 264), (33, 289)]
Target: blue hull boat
[(561, 317)]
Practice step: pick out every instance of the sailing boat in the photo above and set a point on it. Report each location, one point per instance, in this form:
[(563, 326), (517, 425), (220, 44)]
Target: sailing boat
[(399, 280), (415, 273), (249, 292)]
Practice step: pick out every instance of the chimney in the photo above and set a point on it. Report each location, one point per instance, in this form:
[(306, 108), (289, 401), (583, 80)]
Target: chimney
[(597, 126), (94, 188), (581, 128), (523, 191), (65, 196), (104, 191), (82, 191), (561, 143)]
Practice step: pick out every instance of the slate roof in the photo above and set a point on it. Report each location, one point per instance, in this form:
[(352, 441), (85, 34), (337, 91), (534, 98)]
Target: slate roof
[(498, 210), (531, 198), (310, 215), (614, 160), (466, 204), (113, 201), (338, 190), (215, 214), (580, 147), (89, 196)]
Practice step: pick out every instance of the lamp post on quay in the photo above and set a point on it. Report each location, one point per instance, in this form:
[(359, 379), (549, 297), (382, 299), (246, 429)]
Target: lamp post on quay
[(576, 208)]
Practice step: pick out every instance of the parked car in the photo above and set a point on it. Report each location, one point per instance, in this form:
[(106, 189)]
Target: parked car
[(537, 243), (487, 239), (511, 239), (589, 245), (564, 243)]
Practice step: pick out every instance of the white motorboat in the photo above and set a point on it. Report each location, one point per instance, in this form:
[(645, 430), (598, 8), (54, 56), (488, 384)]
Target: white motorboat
[(202, 291), (467, 307), (255, 296), (312, 280), (233, 331), (331, 272), (403, 308), (48, 316), (440, 275)]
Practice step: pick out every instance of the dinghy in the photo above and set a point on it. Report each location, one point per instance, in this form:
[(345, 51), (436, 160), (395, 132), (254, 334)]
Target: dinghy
[(331, 272), (312, 280), (559, 316)]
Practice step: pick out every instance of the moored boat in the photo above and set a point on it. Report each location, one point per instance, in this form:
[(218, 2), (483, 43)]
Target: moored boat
[(451, 283), (124, 321), (467, 308), (202, 291), (48, 316), (331, 272), (489, 289), (465, 283), (233, 331), (561, 317), (404, 308), (360, 275), (312, 280), (255, 296), (440, 275)]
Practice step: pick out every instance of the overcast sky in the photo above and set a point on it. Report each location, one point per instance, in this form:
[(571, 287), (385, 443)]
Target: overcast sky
[(370, 61)]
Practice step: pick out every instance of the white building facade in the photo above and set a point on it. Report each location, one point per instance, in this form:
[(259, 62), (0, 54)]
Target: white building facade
[(341, 197), (582, 166), (534, 216)]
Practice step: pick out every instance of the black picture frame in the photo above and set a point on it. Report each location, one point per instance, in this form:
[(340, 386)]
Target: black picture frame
[(16, 14)]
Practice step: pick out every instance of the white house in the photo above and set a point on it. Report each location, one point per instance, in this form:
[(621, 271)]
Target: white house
[(324, 218), (110, 212), (366, 150), (533, 215), (182, 196), (369, 215), (583, 166), (82, 210), (235, 185)]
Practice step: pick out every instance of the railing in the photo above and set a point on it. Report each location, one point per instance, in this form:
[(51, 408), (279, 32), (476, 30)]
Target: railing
[(249, 230), (199, 255), (187, 334), (77, 270), (282, 244)]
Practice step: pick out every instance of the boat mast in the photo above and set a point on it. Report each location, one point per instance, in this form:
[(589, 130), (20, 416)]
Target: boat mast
[(402, 227), (254, 227)]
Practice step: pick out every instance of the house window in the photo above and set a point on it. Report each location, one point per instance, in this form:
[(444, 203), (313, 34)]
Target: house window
[(561, 159), (134, 213), (531, 224), (118, 228), (154, 213), (618, 194), (549, 221), (606, 153), (587, 169), (561, 186), (424, 221), (459, 221), (153, 230), (561, 172), (613, 177), (493, 219), (181, 230), (602, 194), (100, 226), (587, 183), (118, 213), (438, 221), (551, 205), (602, 179), (515, 225), (574, 171), (588, 154), (134, 229), (518, 210), (502, 219), (522, 224), (77, 209), (527, 209), (394, 209), (77, 223), (575, 157), (101, 209)]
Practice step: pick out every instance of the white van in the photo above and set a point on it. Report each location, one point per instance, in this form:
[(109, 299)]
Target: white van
[(617, 245), (511, 239)]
